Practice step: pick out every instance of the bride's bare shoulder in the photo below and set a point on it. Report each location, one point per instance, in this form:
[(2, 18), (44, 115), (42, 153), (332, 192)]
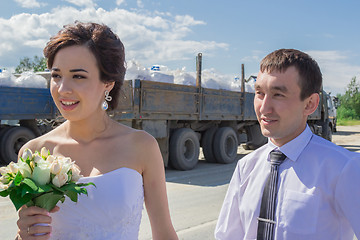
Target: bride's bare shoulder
[(136, 136), (48, 140)]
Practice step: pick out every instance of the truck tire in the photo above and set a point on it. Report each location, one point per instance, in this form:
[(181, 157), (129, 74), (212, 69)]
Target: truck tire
[(207, 141), (255, 137), (225, 145), (326, 131), (184, 149), (2, 132), (11, 142)]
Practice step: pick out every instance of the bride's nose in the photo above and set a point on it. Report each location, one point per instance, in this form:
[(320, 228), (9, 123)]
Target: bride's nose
[(64, 86)]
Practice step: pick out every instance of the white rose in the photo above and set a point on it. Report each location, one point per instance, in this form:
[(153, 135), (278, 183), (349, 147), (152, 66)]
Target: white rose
[(55, 167), (44, 152), (27, 154), (13, 167), (60, 179), (3, 180), (4, 170), (3, 186), (51, 158), (37, 157), (65, 163), (75, 173), (24, 169), (41, 173)]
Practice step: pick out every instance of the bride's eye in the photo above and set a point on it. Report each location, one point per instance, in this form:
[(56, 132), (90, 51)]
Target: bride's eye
[(77, 76), (55, 76)]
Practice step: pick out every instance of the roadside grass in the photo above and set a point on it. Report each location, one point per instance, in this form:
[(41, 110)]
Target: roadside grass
[(347, 122)]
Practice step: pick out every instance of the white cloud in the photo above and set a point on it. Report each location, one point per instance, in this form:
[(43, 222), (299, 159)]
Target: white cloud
[(82, 3), (327, 55), (256, 57), (29, 3), (119, 2), (150, 37), (35, 43), (140, 4), (336, 68)]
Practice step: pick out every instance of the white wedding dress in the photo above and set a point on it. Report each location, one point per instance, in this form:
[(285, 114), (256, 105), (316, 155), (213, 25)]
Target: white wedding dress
[(111, 211)]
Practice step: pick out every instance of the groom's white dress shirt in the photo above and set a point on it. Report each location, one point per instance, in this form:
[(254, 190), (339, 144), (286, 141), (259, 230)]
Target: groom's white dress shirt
[(318, 192)]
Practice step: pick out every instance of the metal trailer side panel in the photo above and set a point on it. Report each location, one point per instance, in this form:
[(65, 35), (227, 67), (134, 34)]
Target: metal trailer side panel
[(168, 101), (321, 110), (125, 108), (18, 103), (221, 105), (158, 107), (248, 105), (317, 114)]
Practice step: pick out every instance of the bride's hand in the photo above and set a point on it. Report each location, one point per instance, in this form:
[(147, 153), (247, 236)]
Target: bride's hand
[(28, 218)]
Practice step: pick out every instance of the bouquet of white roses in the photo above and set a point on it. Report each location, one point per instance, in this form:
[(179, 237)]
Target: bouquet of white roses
[(40, 179)]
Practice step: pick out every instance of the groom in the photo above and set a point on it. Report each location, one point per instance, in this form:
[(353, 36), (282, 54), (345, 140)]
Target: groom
[(315, 191)]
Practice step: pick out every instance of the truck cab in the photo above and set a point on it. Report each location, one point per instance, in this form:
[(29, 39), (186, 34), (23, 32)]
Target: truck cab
[(331, 107)]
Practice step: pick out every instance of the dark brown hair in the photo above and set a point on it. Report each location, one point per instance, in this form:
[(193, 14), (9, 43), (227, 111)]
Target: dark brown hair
[(310, 75), (102, 42)]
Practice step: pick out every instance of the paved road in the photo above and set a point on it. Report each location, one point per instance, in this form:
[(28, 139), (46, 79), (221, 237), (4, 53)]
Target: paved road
[(195, 196), (195, 199)]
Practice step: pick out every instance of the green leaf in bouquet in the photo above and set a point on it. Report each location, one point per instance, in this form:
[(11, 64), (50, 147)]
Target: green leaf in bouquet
[(28, 162), (31, 184), (27, 198), (17, 200), (72, 195), (4, 193), (48, 200), (57, 190), (68, 186), (44, 188), (86, 184), (17, 180), (81, 190), (26, 190)]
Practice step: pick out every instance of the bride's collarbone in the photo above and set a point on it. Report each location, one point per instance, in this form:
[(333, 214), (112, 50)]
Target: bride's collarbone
[(101, 164)]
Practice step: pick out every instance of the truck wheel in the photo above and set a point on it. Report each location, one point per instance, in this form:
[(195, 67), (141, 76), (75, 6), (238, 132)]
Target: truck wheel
[(255, 137), (11, 142), (326, 131), (225, 145), (2, 132), (207, 145), (184, 149)]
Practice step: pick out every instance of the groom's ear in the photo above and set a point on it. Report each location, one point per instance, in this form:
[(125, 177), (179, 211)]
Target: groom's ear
[(312, 103)]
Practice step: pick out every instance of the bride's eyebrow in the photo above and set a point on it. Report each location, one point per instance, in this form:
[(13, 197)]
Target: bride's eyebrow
[(78, 70)]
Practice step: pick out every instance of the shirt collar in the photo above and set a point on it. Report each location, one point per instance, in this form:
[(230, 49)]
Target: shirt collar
[(294, 148)]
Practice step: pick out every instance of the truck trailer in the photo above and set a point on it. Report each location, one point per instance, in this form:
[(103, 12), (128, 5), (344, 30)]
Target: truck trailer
[(182, 118)]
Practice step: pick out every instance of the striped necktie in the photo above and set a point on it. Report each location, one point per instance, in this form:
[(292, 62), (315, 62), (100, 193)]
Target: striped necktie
[(266, 219)]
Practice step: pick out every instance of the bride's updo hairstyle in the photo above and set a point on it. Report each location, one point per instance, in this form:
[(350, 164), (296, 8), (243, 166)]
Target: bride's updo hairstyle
[(102, 42)]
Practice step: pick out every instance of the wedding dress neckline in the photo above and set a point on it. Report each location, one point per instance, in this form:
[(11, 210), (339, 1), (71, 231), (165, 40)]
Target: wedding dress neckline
[(112, 210), (113, 171)]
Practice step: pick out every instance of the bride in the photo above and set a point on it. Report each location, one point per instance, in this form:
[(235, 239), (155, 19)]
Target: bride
[(87, 63)]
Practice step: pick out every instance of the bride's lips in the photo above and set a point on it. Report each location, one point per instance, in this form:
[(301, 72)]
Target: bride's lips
[(68, 105)]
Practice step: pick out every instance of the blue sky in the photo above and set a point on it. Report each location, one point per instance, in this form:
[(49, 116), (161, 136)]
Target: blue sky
[(172, 32)]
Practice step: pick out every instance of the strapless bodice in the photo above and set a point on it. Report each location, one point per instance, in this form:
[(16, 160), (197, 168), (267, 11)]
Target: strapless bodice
[(112, 210)]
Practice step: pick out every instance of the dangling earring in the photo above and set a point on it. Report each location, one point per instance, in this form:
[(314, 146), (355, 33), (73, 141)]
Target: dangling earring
[(108, 98)]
